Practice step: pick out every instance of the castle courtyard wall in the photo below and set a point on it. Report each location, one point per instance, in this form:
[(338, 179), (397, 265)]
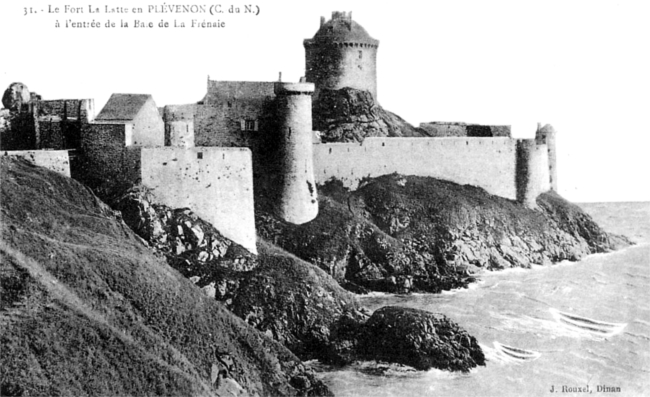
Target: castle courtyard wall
[(108, 159), (489, 163), (215, 182), (54, 160)]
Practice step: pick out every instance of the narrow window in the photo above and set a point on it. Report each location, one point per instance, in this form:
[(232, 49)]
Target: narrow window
[(360, 54), (249, 125)]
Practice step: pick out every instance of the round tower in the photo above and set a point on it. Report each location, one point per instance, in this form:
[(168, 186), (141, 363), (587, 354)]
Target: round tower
[(341, 54), (532, 171), (546, 136), (297, 201)]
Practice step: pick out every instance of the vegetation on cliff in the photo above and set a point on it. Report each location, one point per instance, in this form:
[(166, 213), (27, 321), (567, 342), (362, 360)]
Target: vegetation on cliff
[(88, 309), (288, 299), (405, 233)]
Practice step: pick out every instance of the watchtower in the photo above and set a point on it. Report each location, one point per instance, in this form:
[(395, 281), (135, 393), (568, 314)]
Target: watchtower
[(546, 136), (341, 54), (297, 202)]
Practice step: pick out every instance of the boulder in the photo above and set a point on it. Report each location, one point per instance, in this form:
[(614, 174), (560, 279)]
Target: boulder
[(15, 96), (420, 339)]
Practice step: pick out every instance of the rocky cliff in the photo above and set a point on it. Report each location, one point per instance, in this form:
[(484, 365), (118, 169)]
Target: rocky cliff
[(404, 233), (290, 300), (350, 115), (91, 308), (87, 308)]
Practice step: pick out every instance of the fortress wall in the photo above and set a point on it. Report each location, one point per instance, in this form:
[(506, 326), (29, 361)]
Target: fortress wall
[(179, 133), (220, 125), (52, 133), (107, 160), (54, 160), (77, 109), (54, 107), (485, 162), (216, 183)]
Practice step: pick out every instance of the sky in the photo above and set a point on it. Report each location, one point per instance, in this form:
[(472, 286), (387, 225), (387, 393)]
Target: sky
[(582, 66)]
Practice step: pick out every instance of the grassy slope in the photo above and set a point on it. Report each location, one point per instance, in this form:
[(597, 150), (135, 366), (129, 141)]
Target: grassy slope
[(87, 309)]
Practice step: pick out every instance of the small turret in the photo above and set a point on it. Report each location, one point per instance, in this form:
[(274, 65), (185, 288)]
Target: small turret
[(546, 136)]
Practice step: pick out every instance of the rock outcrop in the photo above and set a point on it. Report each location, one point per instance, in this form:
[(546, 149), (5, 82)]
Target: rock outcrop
[(87, 309), (350, 115), (288, 299), (15, 96), (412, 337), (404, 233), (419, 339)]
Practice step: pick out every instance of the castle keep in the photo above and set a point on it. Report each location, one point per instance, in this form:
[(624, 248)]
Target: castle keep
[(341, 54), (249, 137)]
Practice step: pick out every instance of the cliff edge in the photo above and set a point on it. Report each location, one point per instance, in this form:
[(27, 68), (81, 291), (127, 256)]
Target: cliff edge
[(404, 234), (88, 309)]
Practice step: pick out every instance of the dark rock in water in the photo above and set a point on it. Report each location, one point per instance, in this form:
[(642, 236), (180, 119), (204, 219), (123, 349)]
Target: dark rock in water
[(412, 337), (350, 115), (419, 339)]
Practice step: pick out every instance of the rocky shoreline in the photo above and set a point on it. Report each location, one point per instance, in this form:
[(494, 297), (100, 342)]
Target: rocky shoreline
[(395, 234), (398, 234)]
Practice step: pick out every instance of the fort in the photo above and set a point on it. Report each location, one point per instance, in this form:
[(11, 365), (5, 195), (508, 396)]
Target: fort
[(247, 138)]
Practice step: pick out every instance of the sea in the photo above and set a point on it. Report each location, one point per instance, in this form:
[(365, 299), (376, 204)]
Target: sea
[(605, 350)]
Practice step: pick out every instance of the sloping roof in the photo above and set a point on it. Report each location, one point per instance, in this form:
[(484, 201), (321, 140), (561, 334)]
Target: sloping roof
[(238, 90), (123, 107), (179, 112), (341, 28)]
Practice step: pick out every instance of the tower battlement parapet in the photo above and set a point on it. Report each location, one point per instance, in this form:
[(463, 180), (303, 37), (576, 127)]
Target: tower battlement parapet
[(302, 88), (546, 136)]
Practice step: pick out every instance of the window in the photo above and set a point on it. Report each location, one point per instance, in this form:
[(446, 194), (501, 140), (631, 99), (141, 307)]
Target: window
[(360, 54), (249, 125), (199, 155)]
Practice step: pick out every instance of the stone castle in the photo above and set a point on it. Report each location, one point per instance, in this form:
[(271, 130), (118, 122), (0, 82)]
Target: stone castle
[(245, 137)]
